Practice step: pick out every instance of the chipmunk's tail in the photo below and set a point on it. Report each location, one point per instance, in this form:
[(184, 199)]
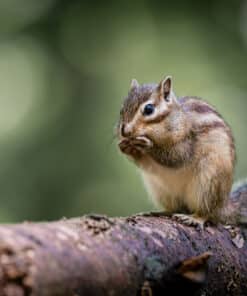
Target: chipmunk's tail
[(235, 211), (238, 200)]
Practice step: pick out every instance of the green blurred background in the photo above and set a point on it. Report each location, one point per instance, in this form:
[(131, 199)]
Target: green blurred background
[(65, 67)]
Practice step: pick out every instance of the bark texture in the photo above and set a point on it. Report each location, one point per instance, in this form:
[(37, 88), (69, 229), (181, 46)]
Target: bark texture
[(138, 255)]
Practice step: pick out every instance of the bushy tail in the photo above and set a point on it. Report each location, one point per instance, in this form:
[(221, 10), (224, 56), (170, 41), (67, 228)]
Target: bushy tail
[(235, 211), (238, 199)]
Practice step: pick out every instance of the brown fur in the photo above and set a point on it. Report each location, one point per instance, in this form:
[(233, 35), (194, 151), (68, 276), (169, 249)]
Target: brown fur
[(189, 166), (135, 97)]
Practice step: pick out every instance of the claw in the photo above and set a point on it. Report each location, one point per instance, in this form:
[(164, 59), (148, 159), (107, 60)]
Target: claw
[(190, 220), (144, 141), (135, 147)]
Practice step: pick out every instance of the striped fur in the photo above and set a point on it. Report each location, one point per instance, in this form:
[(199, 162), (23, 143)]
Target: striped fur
[(189, 167)]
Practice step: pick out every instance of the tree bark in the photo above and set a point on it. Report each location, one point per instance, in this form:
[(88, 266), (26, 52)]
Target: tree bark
[(138, 255)]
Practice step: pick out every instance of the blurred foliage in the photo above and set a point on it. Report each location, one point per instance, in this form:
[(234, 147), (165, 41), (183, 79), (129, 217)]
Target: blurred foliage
[(65, 67)]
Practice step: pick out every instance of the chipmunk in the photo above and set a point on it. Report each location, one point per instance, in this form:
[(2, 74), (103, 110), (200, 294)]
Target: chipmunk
[(184, 150)]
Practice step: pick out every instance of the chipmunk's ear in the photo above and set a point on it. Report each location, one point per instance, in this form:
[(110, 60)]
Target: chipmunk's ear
[(165, 87), (134, 84), (195, 269)]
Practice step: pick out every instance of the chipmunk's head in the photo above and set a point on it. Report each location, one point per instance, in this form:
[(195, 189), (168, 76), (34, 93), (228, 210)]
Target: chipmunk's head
[(146, 116)]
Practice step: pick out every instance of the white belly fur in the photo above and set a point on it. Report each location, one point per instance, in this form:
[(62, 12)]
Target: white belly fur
[(169, 187)]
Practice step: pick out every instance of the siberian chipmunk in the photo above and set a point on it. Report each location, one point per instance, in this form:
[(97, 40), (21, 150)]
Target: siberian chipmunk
[(184, 150)]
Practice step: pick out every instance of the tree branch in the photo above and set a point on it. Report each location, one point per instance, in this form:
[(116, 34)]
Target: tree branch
[(138, 255)]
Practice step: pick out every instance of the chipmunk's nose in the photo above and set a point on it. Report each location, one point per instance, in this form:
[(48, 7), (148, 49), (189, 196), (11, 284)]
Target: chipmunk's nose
[(125, 130)]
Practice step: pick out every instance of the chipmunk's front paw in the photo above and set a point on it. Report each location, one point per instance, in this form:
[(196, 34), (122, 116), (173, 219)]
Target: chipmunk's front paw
[(190, 220), (135, 147)]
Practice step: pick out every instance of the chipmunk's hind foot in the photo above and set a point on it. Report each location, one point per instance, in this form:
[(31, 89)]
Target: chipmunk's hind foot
[(190, 220)]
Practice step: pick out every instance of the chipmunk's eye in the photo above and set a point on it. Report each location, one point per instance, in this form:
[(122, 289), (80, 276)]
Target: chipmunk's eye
[(148, 109)]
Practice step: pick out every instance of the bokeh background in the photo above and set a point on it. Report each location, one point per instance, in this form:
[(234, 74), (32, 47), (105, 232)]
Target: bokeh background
[(65, 67)]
